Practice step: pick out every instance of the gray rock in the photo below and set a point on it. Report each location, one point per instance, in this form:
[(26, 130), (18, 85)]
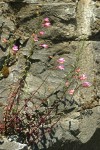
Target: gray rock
[(7, 145)]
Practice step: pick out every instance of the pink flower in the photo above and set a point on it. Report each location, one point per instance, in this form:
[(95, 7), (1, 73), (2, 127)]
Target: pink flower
[(46, 19), (61, 67), (41, 32), (83, 77), (86, 84), (44, 45), (61, 60), (67, 83), (15, 48), (46, 24), (71, 92)]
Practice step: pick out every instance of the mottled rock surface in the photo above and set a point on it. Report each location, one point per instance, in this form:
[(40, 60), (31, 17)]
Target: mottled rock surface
[(7, 145)]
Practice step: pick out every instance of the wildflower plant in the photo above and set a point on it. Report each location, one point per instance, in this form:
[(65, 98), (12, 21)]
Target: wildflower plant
[(30, 120)]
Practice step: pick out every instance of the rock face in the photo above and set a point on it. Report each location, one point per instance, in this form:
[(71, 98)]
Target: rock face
[(75, 28), (13, 145)]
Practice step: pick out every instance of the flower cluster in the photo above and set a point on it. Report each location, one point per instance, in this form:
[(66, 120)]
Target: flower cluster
[(61, 63), (85, 83), (76, 77), (81, 78), (46, 23)]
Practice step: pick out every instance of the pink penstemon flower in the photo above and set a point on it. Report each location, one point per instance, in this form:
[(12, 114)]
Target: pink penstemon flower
[(44, 45), (86, 84), (46, 19), (46, 24), (61, 60), (71, 92), (41, 33), (15, 48), (61, 67), (83, 77)]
